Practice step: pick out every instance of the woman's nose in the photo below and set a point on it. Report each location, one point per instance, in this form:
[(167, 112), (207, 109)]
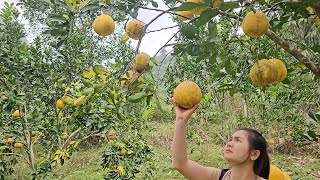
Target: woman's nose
[(229, 144)]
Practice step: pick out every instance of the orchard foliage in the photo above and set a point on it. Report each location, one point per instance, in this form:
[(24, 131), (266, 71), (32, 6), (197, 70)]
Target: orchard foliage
[(68, 84)]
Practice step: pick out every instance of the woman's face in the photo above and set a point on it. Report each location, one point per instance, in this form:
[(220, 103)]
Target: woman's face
[(236, 150)]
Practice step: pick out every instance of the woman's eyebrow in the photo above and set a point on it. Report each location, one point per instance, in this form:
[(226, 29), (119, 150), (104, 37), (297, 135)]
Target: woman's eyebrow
[(237, 137)]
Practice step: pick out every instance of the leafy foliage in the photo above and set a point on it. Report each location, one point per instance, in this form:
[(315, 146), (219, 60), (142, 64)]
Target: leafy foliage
[(68, 62)]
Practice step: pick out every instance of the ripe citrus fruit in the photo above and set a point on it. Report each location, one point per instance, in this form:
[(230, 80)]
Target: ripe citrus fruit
[(135, 29), (129, 79), (255, 24), (60, 104), (123, 152), (185, 15), (275, 173), (16, 114), (111, 135), (10, 140), (263, 72), (216, 3), (18, 145), (103, 25), (187, 94), (197, 11), (141, 61), (282, 70), (271, 142)]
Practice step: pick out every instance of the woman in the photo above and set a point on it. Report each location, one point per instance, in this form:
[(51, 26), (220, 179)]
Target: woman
[(246, 153)]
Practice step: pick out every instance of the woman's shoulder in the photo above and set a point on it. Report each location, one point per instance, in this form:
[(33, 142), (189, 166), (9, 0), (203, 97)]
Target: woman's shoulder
[(261, 178), (215, 173), (227, 175)]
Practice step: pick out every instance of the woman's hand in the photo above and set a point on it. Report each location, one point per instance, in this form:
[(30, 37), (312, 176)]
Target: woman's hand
[(181, 113)]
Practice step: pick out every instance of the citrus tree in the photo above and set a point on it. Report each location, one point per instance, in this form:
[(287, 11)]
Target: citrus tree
[(80, 77), (52, 97)]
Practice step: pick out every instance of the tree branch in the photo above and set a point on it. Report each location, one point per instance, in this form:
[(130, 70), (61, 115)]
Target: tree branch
[(166, 43), (294, 52), (10, 154), (95, 133), (163, 29), (146, 26), (171, 38), (68, 139), (282, 43)]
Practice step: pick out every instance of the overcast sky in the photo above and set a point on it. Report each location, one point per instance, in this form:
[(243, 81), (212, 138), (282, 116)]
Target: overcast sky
[(151, 42)]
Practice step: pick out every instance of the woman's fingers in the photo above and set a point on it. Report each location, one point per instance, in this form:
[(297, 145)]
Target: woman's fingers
[(173, 103), (195, 107), (176, 106)]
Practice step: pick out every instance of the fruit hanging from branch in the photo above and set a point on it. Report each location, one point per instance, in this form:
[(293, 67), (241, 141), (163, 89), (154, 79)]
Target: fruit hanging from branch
[(135, 29), (141, 61), (264, 72), (255, 24), (104, 25)]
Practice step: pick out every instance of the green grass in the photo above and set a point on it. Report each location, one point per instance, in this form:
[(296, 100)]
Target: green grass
[(85, 164), (298, 167)]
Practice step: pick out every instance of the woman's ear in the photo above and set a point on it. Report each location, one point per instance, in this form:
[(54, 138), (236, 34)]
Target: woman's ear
[(255, 155)]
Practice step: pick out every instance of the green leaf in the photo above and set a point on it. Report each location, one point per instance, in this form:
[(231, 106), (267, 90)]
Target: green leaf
[(87, 82), (134, 14), (169, 1), (86, 74), (99, 69), (56, 32), (189, 31), (311, 135), (89, 7), (154, 4), (229, 5), (110, 101), (212, 28), (208, 2), (233, 91), (315, 116), (81, 100), (3, 148), (187, 6), (59, 44), (205, 17), (138, 97), (195, 50), (261, 2), (48, 2), (66, 5), (88, 91), (153, 62), (67, 99), (158, 103), (89, 74), (316, 48), (57, 18)]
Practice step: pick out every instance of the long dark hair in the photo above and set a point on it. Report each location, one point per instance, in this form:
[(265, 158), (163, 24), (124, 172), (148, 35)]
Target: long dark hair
[(261, 165)]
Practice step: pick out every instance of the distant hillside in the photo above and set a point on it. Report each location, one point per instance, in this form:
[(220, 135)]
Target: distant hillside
[(164, 59)]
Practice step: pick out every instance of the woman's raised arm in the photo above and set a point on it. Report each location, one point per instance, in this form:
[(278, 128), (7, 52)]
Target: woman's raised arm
[(188, 168)]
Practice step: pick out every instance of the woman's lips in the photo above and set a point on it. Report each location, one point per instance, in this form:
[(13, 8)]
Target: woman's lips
[(228, 151)]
